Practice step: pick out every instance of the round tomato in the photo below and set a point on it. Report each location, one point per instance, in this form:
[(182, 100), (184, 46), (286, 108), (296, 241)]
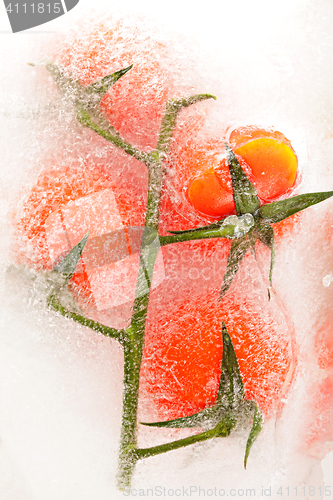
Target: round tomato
[(266, 156), (134, 105), (183, 352), (65, 203)]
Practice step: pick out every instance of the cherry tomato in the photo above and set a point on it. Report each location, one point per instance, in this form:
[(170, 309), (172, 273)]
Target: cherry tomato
[(135, 103), (183, 353), (266, 156), (64, 204), (271, 158)]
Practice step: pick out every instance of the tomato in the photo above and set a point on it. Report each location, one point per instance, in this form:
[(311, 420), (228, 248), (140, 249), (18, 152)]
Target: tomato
[(64, 204), (208, 192), (266, 156), (271, 158), (183, 352), (135, 104)]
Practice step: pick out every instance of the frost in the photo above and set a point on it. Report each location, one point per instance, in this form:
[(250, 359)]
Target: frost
[(327, 280), (241, 224)]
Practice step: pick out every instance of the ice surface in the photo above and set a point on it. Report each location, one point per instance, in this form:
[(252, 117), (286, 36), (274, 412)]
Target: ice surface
[(269, 63)]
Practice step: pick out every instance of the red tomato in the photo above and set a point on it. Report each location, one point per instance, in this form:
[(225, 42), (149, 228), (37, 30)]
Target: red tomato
[(266, 156), (65, 203), (183, 352)]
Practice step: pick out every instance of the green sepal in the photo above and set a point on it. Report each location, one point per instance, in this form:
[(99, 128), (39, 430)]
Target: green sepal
[(66, 267), (185, 102), (231, 389), (237, 253), (265, 234), (280, 210), (102, 86), (241, 225), (87, 96), (257, 425), (200, 419), (70, 87), (245, 194)]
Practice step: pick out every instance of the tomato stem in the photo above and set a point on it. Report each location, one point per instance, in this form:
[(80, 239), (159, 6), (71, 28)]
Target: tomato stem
[(222, 232), (175, 445), (54, 303), (85, 119), (133, 348)]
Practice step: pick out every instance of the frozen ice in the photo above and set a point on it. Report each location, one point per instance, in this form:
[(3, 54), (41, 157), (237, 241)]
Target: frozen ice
[(327, 280), (268, 63), (241, 224)]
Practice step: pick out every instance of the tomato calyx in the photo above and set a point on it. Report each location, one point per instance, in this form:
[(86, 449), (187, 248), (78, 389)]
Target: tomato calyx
[(83, 97), (230, 406)]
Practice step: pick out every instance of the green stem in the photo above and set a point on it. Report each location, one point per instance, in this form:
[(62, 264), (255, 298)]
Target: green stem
[(128, 438), (174, 445), (173, 107), (148, 253), (85, 119), (54, 302), (134, 348), (222, 232), (133, 351)]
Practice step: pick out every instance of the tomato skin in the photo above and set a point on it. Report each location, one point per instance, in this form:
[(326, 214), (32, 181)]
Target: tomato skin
[(266, 156), (54, 188), (183, 352), (270, 157), (208, 195)]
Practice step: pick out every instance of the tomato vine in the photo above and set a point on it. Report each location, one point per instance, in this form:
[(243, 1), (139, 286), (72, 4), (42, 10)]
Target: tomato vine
[(252, 222)]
